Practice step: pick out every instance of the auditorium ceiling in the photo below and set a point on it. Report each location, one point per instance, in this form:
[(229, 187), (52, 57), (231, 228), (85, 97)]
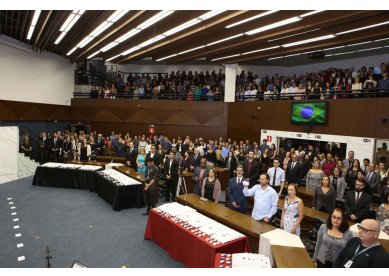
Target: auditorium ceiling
[(216, 37)]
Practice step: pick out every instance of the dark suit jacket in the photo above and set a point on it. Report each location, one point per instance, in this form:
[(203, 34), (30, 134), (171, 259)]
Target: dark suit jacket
[(295, 175), (361, 209), (253, 177), (173, 168), (373, 182), (195, 161), (156, 157), (235, 193), (131, 156), (184, 148)]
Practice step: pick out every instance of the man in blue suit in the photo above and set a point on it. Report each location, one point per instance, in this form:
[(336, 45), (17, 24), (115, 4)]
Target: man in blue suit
[(236, 199)]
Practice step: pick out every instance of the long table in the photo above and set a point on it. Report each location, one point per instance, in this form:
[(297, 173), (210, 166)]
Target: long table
[(64, 178), (184, 246), (119, 197), (247, 226)]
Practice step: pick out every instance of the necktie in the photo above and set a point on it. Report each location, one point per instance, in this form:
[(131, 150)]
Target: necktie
[(239, 180), (358, 197), (274, 177), (293, 163), (368, 177)]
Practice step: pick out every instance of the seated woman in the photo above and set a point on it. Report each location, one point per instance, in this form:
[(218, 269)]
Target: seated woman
[(383, 215), (338, 183), (211, 188), (140, 161), (292, 212), (332, 238), (324, 197)]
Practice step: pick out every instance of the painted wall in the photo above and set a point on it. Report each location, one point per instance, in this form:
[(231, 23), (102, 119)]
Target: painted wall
[(9, 146), (34, 77)]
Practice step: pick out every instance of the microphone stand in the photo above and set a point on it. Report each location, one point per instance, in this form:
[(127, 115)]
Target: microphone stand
[(48, 258)]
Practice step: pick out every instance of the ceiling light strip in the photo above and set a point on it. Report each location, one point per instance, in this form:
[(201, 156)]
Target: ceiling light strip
[(250, 18), (271, 40), (33, 23), (68, 24), (363, 28), (315, 39)]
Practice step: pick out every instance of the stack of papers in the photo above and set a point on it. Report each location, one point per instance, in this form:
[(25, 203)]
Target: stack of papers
[(51, 165), (90, 168), (118, 178), (211, 228), (250, 260), (226, 234), (196, 219), (175, 209), (71, 166)]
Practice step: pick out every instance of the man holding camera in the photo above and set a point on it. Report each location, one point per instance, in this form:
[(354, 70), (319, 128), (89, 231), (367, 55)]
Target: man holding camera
[(151, 184)]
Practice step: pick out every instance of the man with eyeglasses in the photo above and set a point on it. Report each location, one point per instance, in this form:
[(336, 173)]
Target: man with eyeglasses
[(277, 177), (357, 202), (236, 198), (365, 250)]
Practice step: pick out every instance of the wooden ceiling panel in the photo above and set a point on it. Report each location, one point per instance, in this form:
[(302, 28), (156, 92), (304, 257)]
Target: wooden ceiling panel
[(16, 24)]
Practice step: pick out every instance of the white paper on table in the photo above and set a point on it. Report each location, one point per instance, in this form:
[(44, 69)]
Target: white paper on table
[(90, 168), (51, 165), (175, 209), (123, 179), (226, 234), (211, 228), (250, 260), (354, 230), (71, 166)]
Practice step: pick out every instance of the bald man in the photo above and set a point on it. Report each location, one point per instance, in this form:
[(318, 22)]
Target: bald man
[(365, 250)]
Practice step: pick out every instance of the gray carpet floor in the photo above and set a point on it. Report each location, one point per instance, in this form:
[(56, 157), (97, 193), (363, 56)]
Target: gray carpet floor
[(75, 225)]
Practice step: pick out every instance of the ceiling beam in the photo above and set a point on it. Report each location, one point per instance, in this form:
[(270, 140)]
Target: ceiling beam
[(191, 32)]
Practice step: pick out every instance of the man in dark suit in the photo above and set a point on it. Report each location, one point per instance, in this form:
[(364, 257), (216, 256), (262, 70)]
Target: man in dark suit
[(236, 199), (154, 155), (294, 171), (372, 179), (100, 145), (55, 145), (195, 159), (131, 155), (357, 202), (171, 171), (251, 169), (151, 185)]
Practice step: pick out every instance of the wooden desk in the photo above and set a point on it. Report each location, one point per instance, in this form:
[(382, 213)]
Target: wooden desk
[(249, 227), (285, 256), (223, 175), (305, 195), (109, 159), (131, 173)]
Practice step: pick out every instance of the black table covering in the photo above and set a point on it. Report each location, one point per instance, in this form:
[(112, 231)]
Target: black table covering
[(64, 178), (120, 197)]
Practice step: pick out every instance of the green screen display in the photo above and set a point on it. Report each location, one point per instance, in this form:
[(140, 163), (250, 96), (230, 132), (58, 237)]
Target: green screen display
[(309, 113)]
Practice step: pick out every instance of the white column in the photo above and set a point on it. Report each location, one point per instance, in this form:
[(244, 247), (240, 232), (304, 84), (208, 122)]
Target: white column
[(230, 82)]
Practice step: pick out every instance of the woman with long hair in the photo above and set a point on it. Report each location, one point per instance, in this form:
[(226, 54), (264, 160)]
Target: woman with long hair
[(332, 238)]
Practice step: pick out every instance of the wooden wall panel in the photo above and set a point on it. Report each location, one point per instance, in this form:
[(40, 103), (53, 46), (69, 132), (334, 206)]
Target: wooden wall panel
[(352, 117), (173, 118), (23, 111)]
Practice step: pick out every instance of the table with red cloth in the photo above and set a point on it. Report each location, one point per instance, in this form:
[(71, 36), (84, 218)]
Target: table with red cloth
[(223, 260), (186, 247)]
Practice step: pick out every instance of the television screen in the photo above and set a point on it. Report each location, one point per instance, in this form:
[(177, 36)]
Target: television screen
[(309, 113)]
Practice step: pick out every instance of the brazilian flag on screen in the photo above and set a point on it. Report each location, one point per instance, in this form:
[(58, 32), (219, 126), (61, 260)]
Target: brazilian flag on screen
[(309, 113)]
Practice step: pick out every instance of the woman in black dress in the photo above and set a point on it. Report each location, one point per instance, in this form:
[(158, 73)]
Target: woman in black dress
[(231, 163), (85, 151), (211, 188)]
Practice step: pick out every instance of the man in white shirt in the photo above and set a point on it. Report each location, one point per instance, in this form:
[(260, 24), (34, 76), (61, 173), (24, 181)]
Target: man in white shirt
[(265, 199), (277, 177)]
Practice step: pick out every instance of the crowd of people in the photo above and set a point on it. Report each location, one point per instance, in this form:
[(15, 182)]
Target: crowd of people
[(258, 170), (331, 83)]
